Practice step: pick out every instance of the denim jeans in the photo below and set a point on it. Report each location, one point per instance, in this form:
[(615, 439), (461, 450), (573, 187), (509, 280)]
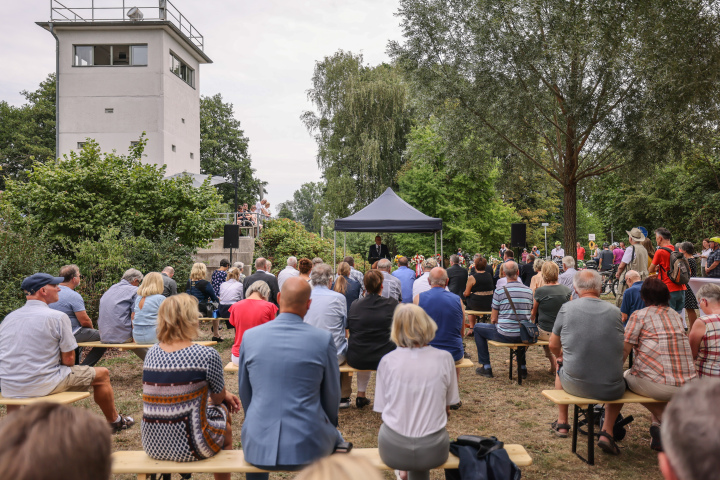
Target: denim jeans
[(488, 331), (677, 300)]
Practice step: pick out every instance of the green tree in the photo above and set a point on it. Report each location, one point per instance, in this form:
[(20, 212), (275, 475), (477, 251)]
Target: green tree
[(27, 133), (224, 151), (577, 88), (305, 207), (83, 194), (363, 116)]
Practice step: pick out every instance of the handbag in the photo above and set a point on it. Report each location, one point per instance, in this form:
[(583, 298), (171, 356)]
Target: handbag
[(529, 332)]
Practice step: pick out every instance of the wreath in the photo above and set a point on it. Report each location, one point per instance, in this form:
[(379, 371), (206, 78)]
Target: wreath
[(417, 260)]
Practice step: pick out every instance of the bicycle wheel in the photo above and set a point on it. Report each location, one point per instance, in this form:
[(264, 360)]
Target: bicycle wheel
[(614, 286)]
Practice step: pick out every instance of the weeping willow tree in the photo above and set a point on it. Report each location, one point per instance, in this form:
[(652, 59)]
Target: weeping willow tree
[(361, 123)]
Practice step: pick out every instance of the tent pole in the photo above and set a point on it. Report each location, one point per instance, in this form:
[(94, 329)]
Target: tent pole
[(334, 248), (441, 248), (344, 243), (436, 244)]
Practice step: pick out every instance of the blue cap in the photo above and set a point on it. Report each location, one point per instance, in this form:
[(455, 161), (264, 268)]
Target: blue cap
[(35, 282)]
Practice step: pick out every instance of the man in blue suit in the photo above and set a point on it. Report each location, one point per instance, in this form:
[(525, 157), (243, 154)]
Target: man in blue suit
[(289, 388)]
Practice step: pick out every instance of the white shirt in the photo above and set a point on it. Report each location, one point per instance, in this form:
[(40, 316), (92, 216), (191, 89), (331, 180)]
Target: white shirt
[(421, 284), (557, 252), (231, 291), (705, 253), (287, 272), (412, 389), (627, 256)]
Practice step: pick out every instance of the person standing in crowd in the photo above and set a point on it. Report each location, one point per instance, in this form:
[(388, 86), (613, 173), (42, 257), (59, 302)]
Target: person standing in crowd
[(289, 271), (558, 252), (204, 292), (378, 250), (634, 258), (249, 313), (44, 364), (183, 381), (479, 290), (713, 261), (240, 266), (632, 300), (524, 256), (328, 311), (261, 268), (502, 251), (691, 304), (72, 304), (548, 300), (407, 277), (661, 264), (566, 278), (391, 285), (345, 285), (169, 285), (219, 276), (231, 292), (651, 251), (605, 258), (704, 335), (457, 276), (415, 387), (145, 312), (369, 323), (580, 250), (116, 311), (617, 254), (288, 378), (704, 255), (535, 251)]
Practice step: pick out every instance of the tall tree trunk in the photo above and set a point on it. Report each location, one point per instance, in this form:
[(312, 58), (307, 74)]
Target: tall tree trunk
[(570, 219)]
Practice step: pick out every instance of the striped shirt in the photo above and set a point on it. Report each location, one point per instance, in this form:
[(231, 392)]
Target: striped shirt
[(662, 350), (708, 359), (522, 297)]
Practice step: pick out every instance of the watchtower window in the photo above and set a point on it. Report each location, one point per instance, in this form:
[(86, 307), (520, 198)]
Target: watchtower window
[(182, 70), (110, 55)]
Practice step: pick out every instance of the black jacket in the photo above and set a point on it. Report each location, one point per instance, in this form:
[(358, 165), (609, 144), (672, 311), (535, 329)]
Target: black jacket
[(526, 273), (374, 256), (269, 279), (458, 280), (369, 323)]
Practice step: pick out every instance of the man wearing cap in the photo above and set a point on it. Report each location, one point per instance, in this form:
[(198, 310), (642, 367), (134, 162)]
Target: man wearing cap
[(558, 252), (37, 356), (713, 260), (634, 258)]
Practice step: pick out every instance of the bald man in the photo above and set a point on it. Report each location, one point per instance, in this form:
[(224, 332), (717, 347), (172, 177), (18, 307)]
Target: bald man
[(292, 367)]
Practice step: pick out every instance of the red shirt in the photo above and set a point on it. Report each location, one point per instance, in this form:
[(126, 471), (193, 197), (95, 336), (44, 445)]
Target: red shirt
[(662, 260), (581, 253), (247, 314)]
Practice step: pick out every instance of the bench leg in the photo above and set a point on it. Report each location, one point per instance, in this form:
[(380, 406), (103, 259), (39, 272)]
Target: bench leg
[(523, 351), (510, 368), (590, 417), (576, 412)]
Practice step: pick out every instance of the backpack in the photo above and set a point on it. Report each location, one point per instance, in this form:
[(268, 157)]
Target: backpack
[(679, 272)]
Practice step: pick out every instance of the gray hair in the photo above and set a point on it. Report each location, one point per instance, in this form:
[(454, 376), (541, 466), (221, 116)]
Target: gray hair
[(291, 261), (511, 269), (260, 287), (537, 264), (588, 281), (429, 264), (132, 274), (568, 261), (317, 261), (239, 265), (321, 275), (454, 259), (384, 264), (710, 292), (632, 275), (689, 430)]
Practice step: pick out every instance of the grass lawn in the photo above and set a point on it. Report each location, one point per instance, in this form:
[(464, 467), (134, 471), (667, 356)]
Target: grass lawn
[(498, 407)]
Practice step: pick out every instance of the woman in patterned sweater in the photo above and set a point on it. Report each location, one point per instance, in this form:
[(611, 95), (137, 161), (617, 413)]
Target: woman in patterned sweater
[(186, 408)]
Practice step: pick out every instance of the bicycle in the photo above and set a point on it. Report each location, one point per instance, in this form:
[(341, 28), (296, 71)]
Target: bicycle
[(610, 282)]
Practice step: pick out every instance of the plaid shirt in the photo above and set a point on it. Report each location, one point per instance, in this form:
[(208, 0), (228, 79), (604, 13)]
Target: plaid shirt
[(708, 359), (662, 350)]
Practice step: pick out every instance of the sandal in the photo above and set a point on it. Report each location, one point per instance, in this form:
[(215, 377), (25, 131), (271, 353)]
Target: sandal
[(556, 427), (607, 444)]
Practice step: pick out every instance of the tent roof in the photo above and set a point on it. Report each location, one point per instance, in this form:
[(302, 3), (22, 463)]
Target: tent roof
[(198, 179), (388, 213)]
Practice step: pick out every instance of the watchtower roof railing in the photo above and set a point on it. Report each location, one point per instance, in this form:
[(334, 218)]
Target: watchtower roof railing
[(117, 11)]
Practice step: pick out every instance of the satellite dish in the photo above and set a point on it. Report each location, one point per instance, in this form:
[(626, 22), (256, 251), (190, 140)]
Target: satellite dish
[(135, 13)]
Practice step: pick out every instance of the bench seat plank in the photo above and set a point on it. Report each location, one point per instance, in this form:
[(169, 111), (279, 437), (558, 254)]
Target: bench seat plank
[(476, 312), (539, 343), (561, 397), (132, 345), (233, 461), (345, 368), (64, 398)]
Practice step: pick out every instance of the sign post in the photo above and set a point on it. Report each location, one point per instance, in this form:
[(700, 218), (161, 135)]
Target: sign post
[(546, 225)]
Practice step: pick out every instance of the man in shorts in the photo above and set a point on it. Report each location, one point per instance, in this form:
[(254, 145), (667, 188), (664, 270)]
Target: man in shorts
[(37, 353)]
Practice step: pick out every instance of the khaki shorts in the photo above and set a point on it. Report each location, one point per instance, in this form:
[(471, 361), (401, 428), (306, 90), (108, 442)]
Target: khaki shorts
[(543, 335), (79, 380), (646, 388)]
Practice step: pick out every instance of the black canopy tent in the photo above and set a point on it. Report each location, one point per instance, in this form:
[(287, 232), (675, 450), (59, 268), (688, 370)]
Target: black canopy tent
[(387, 213)]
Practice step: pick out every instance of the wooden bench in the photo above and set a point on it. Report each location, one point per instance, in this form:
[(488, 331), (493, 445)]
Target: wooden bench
[(514, 349), (133, 345), (586, 406), (65, 398), (345, 368), (233, 461)]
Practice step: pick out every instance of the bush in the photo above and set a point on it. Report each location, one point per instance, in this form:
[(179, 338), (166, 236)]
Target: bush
[(282, 238)]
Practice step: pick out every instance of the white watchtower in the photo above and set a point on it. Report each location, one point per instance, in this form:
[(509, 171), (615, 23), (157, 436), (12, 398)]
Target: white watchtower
[(123, 70)]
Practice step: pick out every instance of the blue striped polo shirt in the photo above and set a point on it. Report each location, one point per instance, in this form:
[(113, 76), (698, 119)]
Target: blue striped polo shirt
[(522, 297)]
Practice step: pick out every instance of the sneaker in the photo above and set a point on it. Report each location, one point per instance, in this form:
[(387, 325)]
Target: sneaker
[(345, 402), (218, 339), (124, 423), (485, 372), (360, 402), (523, 372)]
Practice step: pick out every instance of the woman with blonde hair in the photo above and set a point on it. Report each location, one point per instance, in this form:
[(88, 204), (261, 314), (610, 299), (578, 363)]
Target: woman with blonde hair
[(186, 408), (145, 311), (537, 280), (203, 291), (346, 285), (416, 384)]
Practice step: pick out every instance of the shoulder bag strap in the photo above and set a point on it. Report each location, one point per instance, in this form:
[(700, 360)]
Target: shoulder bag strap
[(507, 294)]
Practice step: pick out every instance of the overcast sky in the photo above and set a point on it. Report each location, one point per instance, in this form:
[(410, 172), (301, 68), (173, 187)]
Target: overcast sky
[(264, 52)]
